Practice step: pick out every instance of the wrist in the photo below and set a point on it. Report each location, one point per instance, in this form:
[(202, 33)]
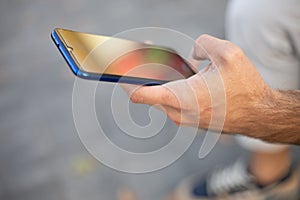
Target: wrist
[(254, 114)]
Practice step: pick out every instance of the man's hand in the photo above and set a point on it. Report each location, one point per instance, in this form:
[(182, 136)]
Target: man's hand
[(242, 83), (246, 97)]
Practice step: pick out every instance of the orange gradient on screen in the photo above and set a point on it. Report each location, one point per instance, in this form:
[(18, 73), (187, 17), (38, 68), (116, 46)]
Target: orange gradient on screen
[(150, 62)]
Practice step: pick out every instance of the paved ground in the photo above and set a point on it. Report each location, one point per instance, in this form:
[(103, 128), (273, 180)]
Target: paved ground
[(41, 156)]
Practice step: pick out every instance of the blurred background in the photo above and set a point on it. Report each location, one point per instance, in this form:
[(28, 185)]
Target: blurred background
[(41, 156)]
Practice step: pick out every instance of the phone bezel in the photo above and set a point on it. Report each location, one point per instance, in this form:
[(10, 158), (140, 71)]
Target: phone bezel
[(60, 44)]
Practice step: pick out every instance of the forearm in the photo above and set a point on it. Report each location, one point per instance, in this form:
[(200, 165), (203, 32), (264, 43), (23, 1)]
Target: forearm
[(276, 118)]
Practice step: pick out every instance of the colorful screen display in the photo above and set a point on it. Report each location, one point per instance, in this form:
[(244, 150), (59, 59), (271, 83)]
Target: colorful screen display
[(114, 56)]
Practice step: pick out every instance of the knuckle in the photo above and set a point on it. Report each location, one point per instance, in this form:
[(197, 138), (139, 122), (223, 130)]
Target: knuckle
[(175, 118), (202, 37), (231, 53), (187, 107), (177, 122), (198, 45)]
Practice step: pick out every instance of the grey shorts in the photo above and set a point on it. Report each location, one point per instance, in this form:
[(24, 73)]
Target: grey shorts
[(269, 33)]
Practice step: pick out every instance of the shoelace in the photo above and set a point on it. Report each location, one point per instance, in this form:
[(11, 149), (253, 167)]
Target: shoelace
[(231, 178)]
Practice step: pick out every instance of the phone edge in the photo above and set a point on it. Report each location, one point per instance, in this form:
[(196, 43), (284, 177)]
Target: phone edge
[(65, 53), (103, 77)]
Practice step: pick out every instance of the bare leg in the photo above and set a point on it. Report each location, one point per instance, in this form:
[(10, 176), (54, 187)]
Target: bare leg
[(268, 167)]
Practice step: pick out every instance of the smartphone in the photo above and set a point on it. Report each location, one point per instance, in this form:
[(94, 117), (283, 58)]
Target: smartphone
[(104, 58)]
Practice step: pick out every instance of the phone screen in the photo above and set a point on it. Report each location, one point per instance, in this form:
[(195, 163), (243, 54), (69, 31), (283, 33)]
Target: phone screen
[(114, 56)]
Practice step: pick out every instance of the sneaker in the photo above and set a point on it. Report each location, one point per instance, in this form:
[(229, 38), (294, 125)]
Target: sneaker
[(236, 182)]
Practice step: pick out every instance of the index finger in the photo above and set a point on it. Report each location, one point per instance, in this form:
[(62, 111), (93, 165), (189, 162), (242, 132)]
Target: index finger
[(150, 95)]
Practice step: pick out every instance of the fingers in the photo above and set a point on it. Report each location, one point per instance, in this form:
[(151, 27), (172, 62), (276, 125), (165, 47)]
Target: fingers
[(176, 94), (178, 116), (216, 50), (194, 63), (174, 114), (148, 94), (153, 97), (205, 45)]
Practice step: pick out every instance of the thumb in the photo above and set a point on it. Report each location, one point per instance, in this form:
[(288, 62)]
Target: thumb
[(207, 47)]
